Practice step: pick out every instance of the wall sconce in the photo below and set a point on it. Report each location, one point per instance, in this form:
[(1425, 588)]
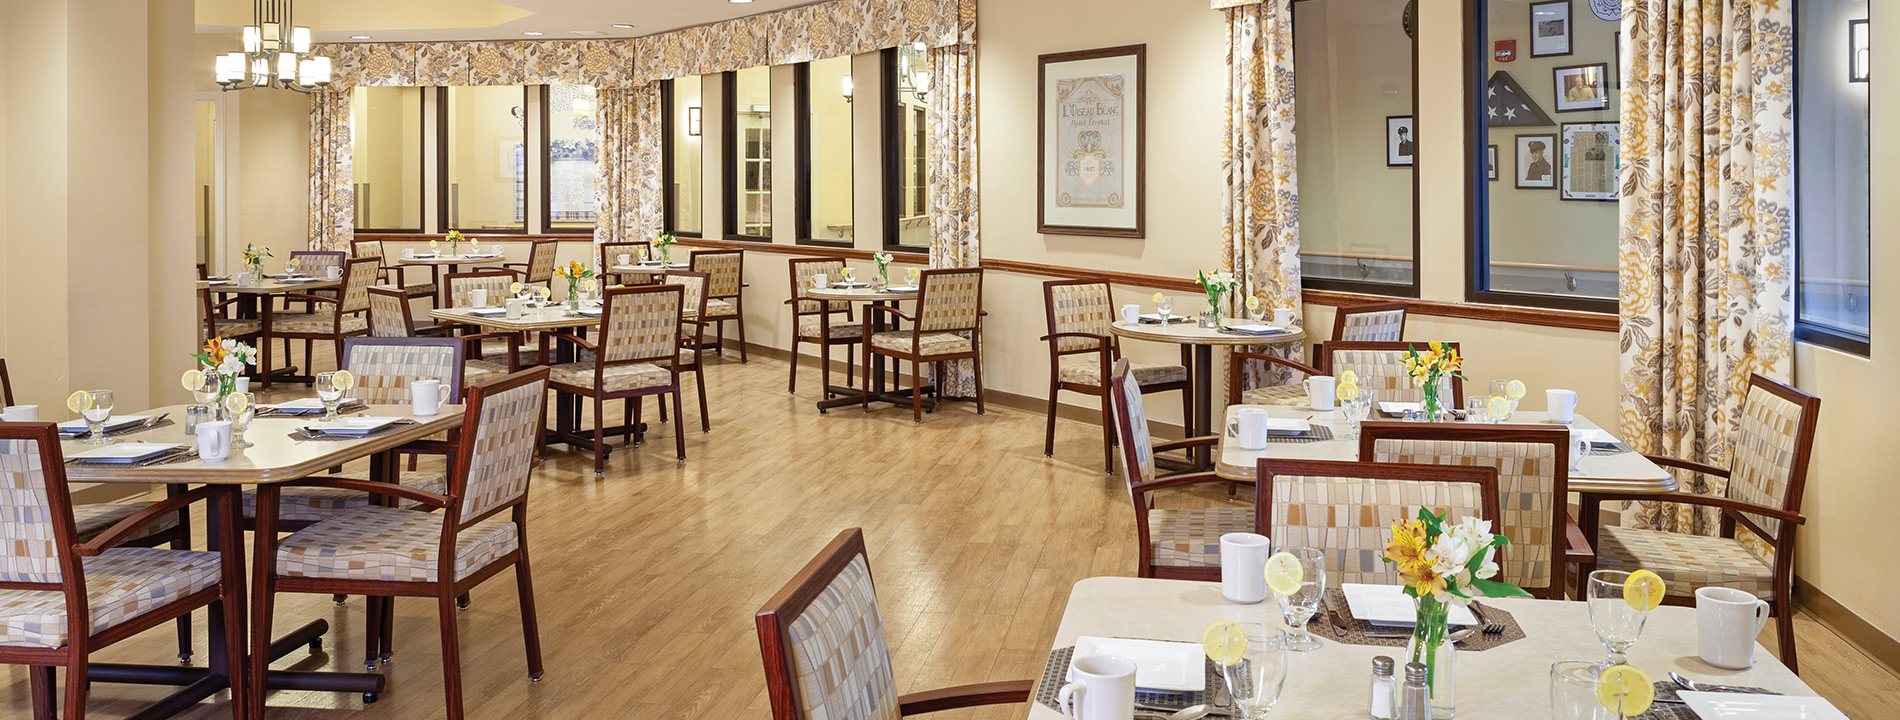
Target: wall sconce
[(847, 88), (692, 121), (1857, 51)]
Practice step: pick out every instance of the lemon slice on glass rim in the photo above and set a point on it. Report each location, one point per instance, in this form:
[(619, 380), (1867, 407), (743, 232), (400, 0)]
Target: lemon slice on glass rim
[(1499, 406), (1348, 377), (1346, 391), (1284, 573), (1515, 390), (1625, 690), (1225, 642), (193, 380), (237, 403), (79, 402), (1644, 590), (343, 380)]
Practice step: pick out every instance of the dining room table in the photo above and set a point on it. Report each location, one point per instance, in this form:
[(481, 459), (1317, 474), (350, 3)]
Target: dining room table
[(1507, 680), (877, 377), (1199, 419), (260, 302), (280, 452), (435, 262)]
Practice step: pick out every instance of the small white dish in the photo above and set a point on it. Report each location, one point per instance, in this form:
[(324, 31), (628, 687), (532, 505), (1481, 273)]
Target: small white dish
[(1744, 706), (112, 424), (299, 406), (1388, 605), (901, 289), (215, 283), (1396, 409), (1288, 427), (353, 426), (488, 312), (130, 452), (1256, 329), (1164, 666), (300, 280)]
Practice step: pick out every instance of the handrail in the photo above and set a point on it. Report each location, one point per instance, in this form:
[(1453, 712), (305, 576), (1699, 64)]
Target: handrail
[(1496, 263)]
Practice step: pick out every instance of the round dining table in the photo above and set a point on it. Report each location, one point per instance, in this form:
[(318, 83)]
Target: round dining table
[(1200, 418), (876, 376)]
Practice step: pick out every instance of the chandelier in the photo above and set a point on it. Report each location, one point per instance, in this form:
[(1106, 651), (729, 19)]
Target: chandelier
[(276, 54)]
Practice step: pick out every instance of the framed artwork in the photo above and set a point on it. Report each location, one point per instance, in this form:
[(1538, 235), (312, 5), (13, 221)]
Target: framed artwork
[(510, 159), (1550, 28), (1620, 66), (1091, 167), (1534, 170), (1581, 88), (1491, 163), (1401, 144), (1591, 161)]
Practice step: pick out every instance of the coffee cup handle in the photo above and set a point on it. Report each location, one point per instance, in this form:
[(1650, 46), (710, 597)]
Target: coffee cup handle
[(1069, 697), (443, 394), (1233, 427), (1761, 615)]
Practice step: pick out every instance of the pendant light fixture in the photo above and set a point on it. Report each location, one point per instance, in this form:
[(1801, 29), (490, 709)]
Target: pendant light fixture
[(276, 54)]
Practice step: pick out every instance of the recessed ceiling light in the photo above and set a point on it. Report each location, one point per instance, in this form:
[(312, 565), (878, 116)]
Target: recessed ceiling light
[(359, 37), (532, 33), (623, 26)]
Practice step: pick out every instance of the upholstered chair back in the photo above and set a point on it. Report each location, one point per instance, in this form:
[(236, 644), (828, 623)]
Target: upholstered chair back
[(359, 276), (640, 323), (1768, 451), (541, 261), (316, 263), (35, 512), (505, 440), (1384, 322), (824, 643), (802, 271), (1347, 508), (385, 367), (496, 282), (389, 313), (1078, 306), (949, 300), (725, 271), (1131, 425), (1381, 367), (693, 302)]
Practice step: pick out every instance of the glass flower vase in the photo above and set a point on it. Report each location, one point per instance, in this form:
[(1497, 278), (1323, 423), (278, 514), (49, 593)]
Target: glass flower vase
[(1210, 318), (1430, 646), (1432, 405)]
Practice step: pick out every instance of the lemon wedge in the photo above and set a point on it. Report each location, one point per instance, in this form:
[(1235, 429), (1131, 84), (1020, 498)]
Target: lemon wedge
[(193, 380), (79, 402), (514, 289), (343, 380), (1499, 406), (1515, 390), (1625, 690), (237, 403), (1225, 642), (1644, 590), (1346, 391), (1348, 377), (1284, 573), (1157, 297)]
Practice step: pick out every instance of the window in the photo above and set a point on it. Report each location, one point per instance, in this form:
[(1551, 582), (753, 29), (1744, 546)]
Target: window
[(906, 170), (1354, 84), (485, 158), (386, 170), (684, 131), (1831, 169), (573, 136), (1544, 227), (748, 138), (825, 92)]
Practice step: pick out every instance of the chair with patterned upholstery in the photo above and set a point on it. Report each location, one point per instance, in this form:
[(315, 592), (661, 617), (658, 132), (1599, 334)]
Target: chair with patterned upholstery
[(1080, 313), (389, 317), (391, 275), (496, 348), (1346, 509), (948, 327), (217, 319), (1380, 367), (1179, 544), (66, 597), (1372, 322), (610, 256), (725, 299), (335, 318), (538, 270), (692, 336), (389, 552), (1768, 472), (635, 354), (813, 321), (1533, 465), (825, 651)]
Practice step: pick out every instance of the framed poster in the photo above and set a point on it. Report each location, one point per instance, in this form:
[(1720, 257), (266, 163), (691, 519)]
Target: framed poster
[(1401, 144), (1534, 168), (1580, 88), (1091, 167), (1550, 28), (1591, 161), (1491, 163)]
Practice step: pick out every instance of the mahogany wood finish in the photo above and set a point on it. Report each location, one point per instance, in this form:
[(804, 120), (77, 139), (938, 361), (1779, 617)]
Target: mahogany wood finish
[(693, 339), (915, 356), (737, 298), (1138, 489), (775, 619), (1107, 351), (336, 323), (1782, 604), (671, 361), (391, 274), (1486, 478), (823, 340), (526, 272), (471, 342), (6, 385), (1339, 319)]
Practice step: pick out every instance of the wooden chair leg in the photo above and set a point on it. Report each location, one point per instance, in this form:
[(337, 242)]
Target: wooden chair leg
[(1049, 429), (705, 416), (451, 656), (792, 387), (679, 426), (600, 436), (866, 395), (1108, 435), (183, 542), (524, 584), (461, 602), (850, 369), (1784, 633), (77, 686), (45, 692), (372, 630), (626, 421), (739, 305), (917, 392), (387, 641), (722, 338), (639, 436), (976, 376), (310, 365)]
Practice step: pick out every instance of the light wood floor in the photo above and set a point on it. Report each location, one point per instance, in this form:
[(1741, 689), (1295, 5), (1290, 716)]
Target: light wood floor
[(648, 576)]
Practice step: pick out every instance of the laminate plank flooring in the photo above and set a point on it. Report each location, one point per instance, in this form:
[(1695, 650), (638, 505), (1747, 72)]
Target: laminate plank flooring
[(648, 576)]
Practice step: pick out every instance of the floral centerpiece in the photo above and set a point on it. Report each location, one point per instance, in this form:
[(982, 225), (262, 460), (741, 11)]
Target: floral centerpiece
[(579, 279), (883, 260), (455, 242), (664, 244), (1443, 565), (222, 360), (1428, 369), (1215, 284), (254, 258)]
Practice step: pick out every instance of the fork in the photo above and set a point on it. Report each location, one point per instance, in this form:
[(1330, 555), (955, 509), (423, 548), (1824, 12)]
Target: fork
[(1490, 628)]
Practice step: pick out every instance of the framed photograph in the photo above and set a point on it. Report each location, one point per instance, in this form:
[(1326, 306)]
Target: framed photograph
[(1591, 160), (1091, 167), (1491, 163), (1550, 28), (1581, 88), (1401, 144), (1534, 167)]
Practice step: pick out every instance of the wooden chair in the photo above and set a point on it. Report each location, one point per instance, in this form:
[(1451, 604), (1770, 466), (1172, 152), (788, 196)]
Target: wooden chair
[(1081, 346), (948, 326), (519, 353), (636, 354), (1346, 509), (824, 625), (1372, 322), (1175, 544), (217, 319), (393, 275), (610, 256), (1767, 475), (64, 598), (346, 316), (725, 273), (389, 317), (539, 269), (389, 552), (692, 337), (1379, 365), (812, 321), (1533, 465)]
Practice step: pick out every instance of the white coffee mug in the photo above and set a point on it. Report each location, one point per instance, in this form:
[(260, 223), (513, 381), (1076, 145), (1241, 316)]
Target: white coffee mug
[(1243, 559), (1103, 688), (1579, 447), (408, 252), (333, 272), (1561, 404), (214, 441), (496, 249), (478, 297), (513, 306), (1727, 622), (1319, 392), (624, 258), (1249, 428), (820, 280), (20, 413), (243, 385), (1283, 317), (1131, 314), (427, 396)]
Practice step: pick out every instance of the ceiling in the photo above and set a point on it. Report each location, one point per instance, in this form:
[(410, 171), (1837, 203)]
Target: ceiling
[(439, 20)]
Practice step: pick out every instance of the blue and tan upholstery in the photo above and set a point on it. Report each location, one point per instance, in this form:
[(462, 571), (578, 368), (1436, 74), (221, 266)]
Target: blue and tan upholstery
[(822, 322), (931, 344), (1081, 319), (496, 283), (317, 263), (802, 271), (379, 543), (1087, 370), (1080, 308), (946, 328), (121, 584), (1348, 515), (391, 276), (725, 281), (1378, 323), (1179, 543), (1190, 538), (635, 352), (343, 318)]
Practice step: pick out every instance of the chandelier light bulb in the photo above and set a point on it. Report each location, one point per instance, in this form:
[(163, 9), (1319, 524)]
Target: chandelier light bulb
[(271, 34), (300, 40), (287, 66), (253, 39)]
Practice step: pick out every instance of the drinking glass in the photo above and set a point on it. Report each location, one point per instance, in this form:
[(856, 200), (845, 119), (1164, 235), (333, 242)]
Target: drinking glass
[(1573, 692), (1303, 604), (1164, 308), (207, 391), (1356, 409), (1256, 680), (331, 396), (1617, 622), (97, 415), (1501, 388), (850, 275), (290, 267), (242, 421), (1476, 409), (911, 275)]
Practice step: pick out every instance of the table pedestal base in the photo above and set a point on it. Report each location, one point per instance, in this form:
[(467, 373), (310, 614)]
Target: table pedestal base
[(196, 683)]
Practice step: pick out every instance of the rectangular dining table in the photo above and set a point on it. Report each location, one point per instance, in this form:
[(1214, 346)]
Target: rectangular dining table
[(1506, 682), (276, 456)]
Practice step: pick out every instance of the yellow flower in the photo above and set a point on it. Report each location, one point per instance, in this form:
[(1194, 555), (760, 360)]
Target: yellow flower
[(1423, 581), (1407, 546), (1437, 346)]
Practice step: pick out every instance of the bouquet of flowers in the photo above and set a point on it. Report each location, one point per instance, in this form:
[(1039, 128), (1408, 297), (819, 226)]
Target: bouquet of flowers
[(1428, 368), (224, 359), (1442, 565), (1215, 284), (254, 257), (455, 241), (883, 260), (664, 244), (579, 279)]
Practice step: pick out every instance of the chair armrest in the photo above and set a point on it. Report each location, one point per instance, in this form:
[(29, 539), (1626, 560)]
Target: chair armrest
[(310, 298), (1103, 339), (1235, 367), (224, 304), (522, 273), (1181, 480), (431, 447), (887, 309), (1202, 441), (963, 696), (1579, 549), (374, 488), (1715, 501), (1689, 465), (119, 531), (572, 339)]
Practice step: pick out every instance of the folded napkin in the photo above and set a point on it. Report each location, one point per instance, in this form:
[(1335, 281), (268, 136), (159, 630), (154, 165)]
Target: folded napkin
[(1254, 329), (850, 286)]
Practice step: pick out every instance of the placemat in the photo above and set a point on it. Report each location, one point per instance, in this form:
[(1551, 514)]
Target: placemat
[(347, 406), (1316, 433), (1056, 674), (305, 434), (1356, 629), (182, 452), (134, 430)]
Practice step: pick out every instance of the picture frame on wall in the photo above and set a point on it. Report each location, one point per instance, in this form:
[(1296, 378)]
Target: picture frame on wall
[(1592, 158), (1581, 88), (1550, 28), (1536, 167), (1091, 166), (1491, 163), (1401, 141)]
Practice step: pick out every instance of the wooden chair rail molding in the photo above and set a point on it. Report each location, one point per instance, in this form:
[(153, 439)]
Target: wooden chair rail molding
[(1602, 322)]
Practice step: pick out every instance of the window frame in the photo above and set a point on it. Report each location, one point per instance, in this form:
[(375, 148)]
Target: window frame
[(801, 92), (891, 139), (669, 206), (729, 139), (547, 163), (422, 182), (1851, 343), (442, 165)]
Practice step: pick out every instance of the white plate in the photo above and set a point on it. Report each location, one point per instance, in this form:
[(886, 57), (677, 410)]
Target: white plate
[(300, 280), (215, 283), (303, 405), (1388, 605), (901, 288), (125, 452), (1256, 329), (353, 426), (113, 424), (1165, 666), (1288, 426), (1399, 408), (1743, 706), (488, 312)]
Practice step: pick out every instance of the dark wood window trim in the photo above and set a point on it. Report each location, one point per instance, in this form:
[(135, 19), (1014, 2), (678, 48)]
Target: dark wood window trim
[(1852, 343), (801, 88), (422, 149), (729, 139), (668, 127), (891, 140), (547, 156), (442, 165)]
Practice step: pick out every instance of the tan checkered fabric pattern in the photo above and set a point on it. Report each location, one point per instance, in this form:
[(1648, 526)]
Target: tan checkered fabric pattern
[(720, 309), (1762, 459), (1686, 562), (1282, 395), (725, 272), (314, 504), (1081, 309), (1137, 434), (367, 249), (1191, 538), (928, 345), (1352, 518), (391, 544), (839, 655), (386, 319), (641, 325), (476, 372), (832, 270), (1526, 479), (505, 444), (383, 372), (841, 329), (497, 286), (317, 324), (360, 277), (632, 376), (91, 519), (26, 516), (950, 301), (1381, 326), (695, 291), (233, 327), (121, 584), (317, 263), (541, 262), (1384, 372), (1087, 370)]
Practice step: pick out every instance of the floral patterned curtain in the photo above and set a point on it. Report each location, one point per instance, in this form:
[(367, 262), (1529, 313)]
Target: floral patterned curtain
[(628, 191), (951, 153), (1261, 234), (1706, 293), (332, 195)]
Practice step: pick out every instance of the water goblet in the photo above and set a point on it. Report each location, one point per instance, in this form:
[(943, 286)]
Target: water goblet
[(1475, 409), (1165, 308), (97, 415), (242, 421), (850, 275), (1256, 680), (1502, 388), (290, 268), (911, 275), (1573, 692), (1617, 622), (207, 391), (1356, 408), (330, 394), (1302, 604)]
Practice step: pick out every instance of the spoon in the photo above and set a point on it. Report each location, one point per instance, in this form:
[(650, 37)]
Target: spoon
[(1191, 712), (1694, 686)]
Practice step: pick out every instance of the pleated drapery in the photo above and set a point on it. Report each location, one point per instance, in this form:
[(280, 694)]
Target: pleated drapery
[(1260, 235), (951, 153), (628, 191), (332, 223)]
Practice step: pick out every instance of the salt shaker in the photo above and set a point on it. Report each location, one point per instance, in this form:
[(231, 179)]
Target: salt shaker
[(1385, 691), (194, 415), (1415, 700)]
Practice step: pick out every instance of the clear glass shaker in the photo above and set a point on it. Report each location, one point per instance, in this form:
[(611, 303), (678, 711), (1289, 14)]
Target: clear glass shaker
[(1384, 703)]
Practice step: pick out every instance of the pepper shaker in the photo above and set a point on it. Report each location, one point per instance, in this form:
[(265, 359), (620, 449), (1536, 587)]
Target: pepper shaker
[(1415, 700)]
